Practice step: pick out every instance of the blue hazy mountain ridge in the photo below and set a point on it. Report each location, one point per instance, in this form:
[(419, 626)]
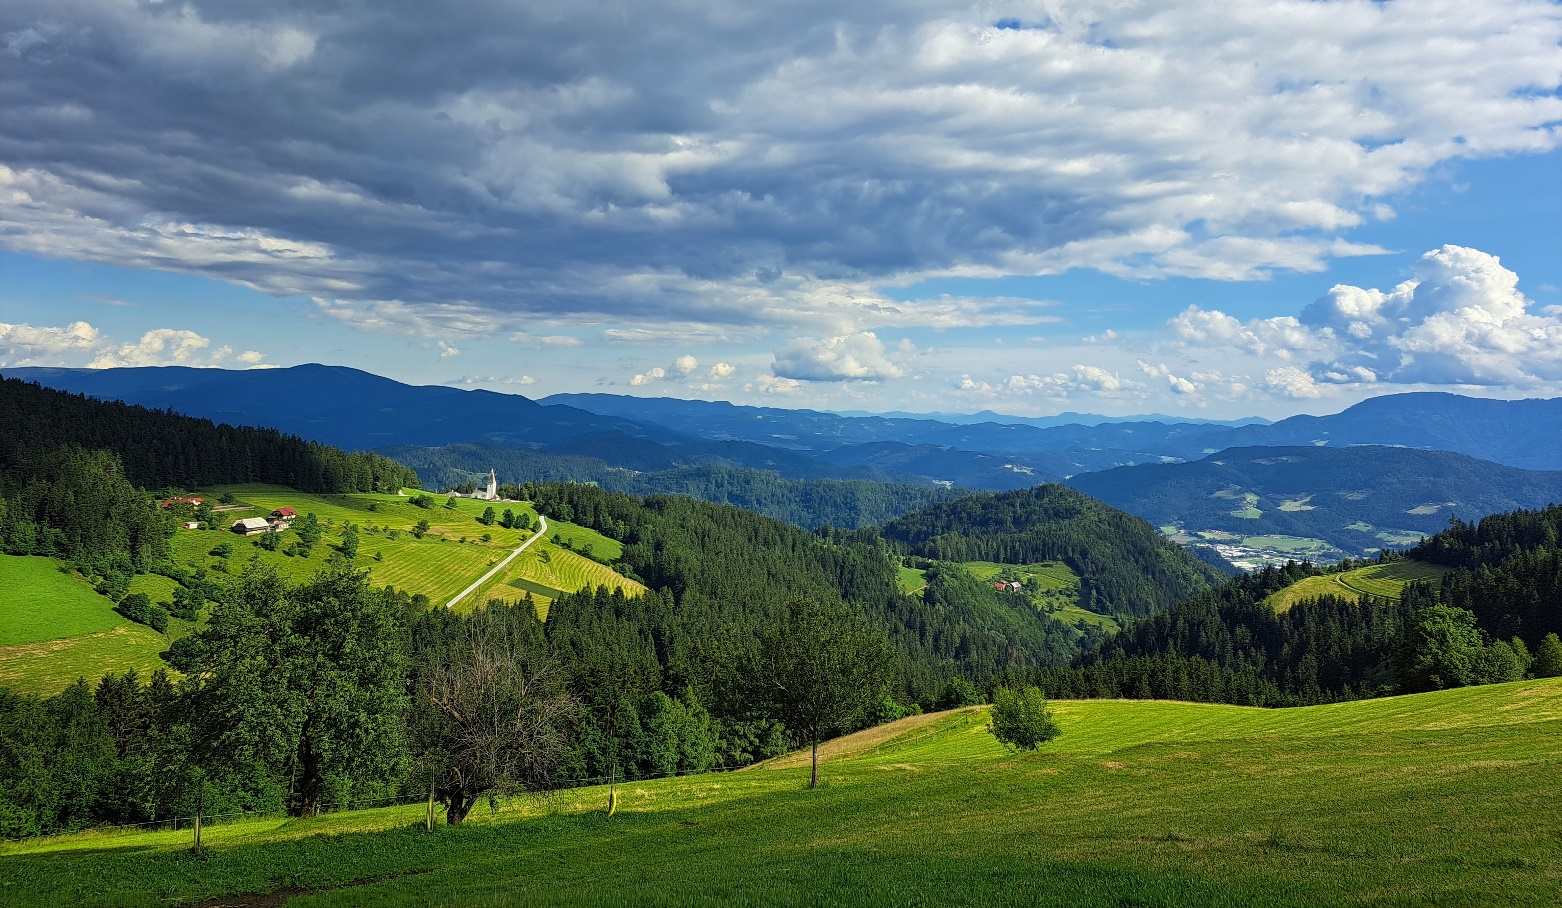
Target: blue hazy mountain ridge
[(1088, 447), (1066, 418), (1519, 433), (1350, 497), (358, 410)]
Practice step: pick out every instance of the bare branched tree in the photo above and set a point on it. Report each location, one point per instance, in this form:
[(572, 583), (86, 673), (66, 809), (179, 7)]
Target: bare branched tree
[(495, 714)]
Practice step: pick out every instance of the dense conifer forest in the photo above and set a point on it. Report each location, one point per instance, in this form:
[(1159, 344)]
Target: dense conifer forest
[(1496, 617), (163, 449), (808, 503)]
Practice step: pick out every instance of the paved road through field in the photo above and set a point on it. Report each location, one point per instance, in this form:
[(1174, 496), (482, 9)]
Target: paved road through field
[(542, 527)]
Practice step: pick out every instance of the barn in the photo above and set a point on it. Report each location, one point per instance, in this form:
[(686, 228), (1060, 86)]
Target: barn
[(250, 526)]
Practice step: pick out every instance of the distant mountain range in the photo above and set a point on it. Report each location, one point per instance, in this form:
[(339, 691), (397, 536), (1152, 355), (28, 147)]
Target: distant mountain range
[(1157, 468), (1358, 499)]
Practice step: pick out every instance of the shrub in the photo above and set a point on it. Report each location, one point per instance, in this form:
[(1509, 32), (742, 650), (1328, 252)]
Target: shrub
[(138, 607), (1020, 718)]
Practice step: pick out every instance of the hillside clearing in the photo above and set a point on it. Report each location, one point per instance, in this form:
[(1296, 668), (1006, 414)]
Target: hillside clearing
[(40, 600), (1138, 803), (1379, 581)]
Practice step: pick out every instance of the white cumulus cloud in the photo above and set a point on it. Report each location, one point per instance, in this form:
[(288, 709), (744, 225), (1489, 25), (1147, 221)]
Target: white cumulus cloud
[(851, 357), (25, 344), (1459, 320)]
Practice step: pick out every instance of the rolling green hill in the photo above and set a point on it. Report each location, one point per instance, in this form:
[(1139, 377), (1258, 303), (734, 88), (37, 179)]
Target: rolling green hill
[(1382, 582), (1124, 567), (1137, 803)]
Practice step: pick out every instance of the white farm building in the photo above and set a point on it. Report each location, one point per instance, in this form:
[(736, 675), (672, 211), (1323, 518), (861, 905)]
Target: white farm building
[(250, 526)]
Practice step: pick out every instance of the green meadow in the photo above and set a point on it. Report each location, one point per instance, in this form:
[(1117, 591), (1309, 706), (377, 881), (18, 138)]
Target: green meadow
[(54, 628), (1382, 581), (1435, 799), (40, 600), (1057, 585)]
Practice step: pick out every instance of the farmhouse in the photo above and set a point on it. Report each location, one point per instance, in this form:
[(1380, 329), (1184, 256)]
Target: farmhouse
[(283, 517), (1006, 586), (250, 526), (170, 502)]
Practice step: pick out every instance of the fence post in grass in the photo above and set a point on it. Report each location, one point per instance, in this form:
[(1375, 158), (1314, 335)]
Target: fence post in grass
[(200, 807), (429, 820)]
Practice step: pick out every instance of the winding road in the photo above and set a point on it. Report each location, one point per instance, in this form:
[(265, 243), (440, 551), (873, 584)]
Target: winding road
[(542, 527)]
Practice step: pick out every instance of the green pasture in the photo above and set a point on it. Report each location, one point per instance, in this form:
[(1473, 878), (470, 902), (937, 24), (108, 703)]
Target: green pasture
[(1384, 581), (54, 628), (1441, 799), (1301, 546), (911, 580), (1059, 589), (1050, 575), (40, 599)]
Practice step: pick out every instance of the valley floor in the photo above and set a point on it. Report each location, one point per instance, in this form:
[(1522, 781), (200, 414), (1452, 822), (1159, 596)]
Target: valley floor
[(1434, 799)]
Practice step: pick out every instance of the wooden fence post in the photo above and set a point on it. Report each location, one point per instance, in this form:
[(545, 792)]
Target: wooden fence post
[(200, 807)]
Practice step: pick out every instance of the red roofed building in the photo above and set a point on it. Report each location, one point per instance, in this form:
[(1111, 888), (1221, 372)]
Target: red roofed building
[(283, 515)]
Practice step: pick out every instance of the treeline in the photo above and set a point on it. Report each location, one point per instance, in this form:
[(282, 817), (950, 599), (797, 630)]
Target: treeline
[(330, 693), (1495, 617), (159, 449), (1126, 568), (1507, 571), (807, 503)]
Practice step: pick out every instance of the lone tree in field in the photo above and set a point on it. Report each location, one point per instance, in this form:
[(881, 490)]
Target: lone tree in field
[(493, 707), (1020, 718), (820, 670)]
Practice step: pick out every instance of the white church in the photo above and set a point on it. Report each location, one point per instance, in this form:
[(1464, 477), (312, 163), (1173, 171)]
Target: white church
[(491, 493)]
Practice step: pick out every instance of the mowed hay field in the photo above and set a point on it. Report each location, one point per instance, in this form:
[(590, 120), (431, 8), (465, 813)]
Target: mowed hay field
[(54, 628), (1435, 799), (1383, 581)]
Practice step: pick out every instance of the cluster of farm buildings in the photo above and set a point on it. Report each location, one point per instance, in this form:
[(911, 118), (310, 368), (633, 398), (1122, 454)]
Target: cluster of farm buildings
[(280, 519)]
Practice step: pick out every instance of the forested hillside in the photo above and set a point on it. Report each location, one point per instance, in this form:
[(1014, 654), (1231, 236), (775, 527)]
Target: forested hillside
[(1126, 568), (808, 503), (1495, 617), (160, 449), (729, 572)]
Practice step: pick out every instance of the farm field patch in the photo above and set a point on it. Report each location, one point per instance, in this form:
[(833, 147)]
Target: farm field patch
[(1381, 581)]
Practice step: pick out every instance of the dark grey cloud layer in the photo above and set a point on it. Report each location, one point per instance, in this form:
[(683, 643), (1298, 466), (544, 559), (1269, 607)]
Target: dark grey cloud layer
[(462, 166)]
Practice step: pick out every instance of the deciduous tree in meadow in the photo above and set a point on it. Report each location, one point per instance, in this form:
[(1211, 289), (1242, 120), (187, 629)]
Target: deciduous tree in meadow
[(820, 669)]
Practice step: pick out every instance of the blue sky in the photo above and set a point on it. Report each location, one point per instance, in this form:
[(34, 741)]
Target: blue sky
[(1153, 207)]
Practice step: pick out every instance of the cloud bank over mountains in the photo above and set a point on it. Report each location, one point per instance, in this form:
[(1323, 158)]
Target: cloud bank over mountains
[(1460, 320), (719, 168)]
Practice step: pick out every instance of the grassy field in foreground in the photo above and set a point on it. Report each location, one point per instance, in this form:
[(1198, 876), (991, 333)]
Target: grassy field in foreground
[(1435, 799), (1384, 581)]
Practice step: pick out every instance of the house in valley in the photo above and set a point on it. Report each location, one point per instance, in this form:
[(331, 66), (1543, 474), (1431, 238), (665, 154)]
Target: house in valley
[(283, 517)]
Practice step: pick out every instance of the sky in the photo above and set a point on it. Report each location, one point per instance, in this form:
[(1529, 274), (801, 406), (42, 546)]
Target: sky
[(1117, 207)]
